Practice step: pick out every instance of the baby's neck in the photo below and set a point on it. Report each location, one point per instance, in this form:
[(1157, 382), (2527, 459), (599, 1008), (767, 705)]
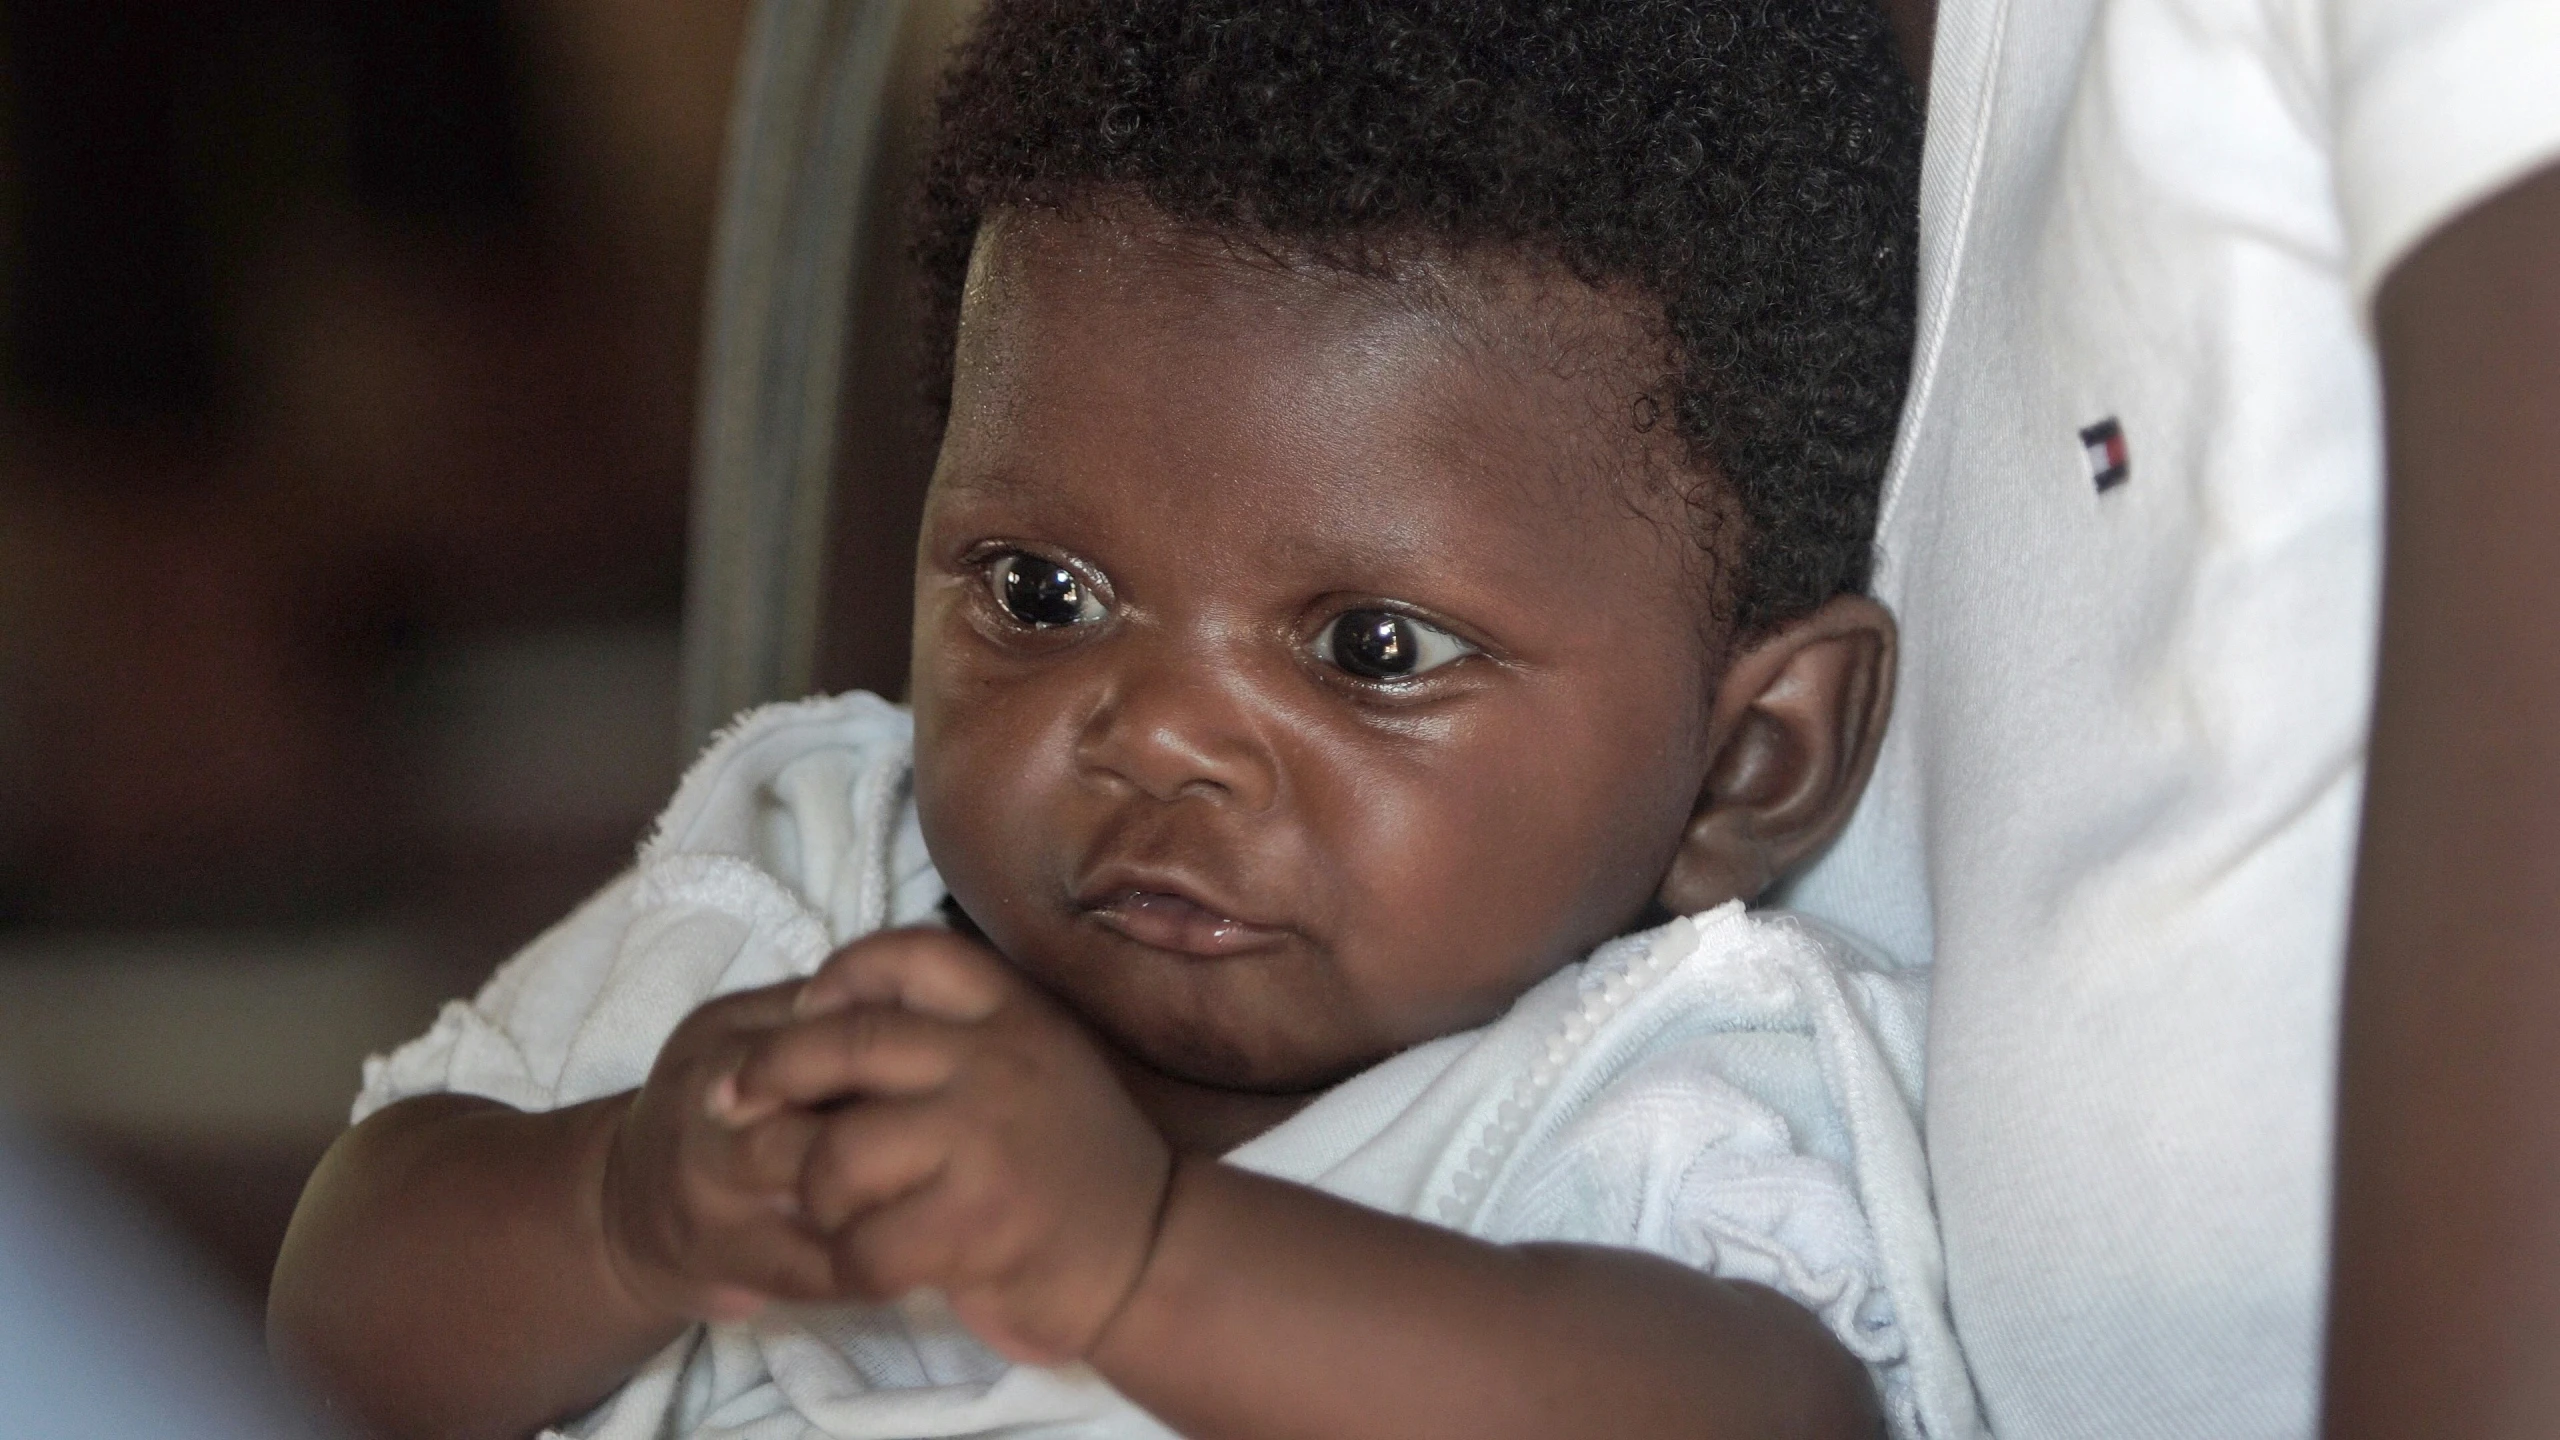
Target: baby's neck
[(1203, 1119)]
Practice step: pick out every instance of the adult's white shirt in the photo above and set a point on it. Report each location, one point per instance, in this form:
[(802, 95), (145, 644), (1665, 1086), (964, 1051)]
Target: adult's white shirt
[(2118, 806)]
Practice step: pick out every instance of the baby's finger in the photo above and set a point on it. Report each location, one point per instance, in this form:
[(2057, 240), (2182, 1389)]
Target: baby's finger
[(767, 1156), (932, 972), (871, 1050), (868, 1156), (771, 1262), (714, 1038), (741, 1011), (909, 1241), (723, 1054)]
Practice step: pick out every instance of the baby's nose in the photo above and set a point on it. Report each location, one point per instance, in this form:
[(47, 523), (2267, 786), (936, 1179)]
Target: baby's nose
[(1170, 727)]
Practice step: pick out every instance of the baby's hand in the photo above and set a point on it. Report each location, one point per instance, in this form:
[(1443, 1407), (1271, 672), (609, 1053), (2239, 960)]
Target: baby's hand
[(993, 1154), (701, 1205)]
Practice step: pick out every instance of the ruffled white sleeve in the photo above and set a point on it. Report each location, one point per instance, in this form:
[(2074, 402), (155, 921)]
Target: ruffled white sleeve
[(508, 1042), (792, 834)]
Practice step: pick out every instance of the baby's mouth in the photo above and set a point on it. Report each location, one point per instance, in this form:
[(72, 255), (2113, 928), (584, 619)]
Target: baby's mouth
[(1164, 921)]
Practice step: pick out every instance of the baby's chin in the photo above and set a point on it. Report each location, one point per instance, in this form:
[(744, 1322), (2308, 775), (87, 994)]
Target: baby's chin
[(1217, 1062), (1229, 1025), (1207, 1056), (1207, 1095)]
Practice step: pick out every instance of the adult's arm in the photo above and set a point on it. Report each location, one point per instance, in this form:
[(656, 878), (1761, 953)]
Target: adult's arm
[(2445, 1301), (446, 1273)]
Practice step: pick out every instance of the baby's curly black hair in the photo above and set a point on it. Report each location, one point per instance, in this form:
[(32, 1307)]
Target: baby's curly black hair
[(1751, 164)]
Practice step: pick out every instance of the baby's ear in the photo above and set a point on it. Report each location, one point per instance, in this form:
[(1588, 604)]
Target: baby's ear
[(1793, 733)]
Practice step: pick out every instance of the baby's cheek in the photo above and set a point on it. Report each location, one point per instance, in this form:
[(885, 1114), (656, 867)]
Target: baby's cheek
[(1526, 872), (1462, 903), (960, 807)]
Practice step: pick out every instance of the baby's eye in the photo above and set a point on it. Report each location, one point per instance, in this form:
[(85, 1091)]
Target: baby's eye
[(1383, 645), (1042, 594)]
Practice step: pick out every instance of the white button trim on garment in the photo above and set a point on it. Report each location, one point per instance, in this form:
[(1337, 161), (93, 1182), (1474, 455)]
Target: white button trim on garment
[(1676, 942)]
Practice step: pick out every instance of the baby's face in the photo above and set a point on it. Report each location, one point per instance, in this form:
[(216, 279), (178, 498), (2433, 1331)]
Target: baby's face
[(1295, 679)]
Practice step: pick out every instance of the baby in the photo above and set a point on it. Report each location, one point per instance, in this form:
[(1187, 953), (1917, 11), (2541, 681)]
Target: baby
[(1396, 543)]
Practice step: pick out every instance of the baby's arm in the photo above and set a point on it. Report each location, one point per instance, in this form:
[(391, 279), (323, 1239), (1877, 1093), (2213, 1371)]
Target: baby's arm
[(1271, 1309), (996, 1158), (461, 1268), (446, 1271)]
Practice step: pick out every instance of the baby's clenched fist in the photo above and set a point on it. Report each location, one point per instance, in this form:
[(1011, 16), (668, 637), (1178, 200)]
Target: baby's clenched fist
[(701, 1206), (967, 1136)]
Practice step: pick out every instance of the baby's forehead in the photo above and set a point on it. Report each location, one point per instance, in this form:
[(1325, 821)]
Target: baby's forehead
[(1499, 349)]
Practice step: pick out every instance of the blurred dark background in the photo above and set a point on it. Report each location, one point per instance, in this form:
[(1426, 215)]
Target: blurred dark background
[(347, 358)]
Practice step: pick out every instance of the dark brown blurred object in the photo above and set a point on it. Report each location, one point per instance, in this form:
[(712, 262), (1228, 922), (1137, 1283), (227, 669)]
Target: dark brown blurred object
[(345, 423), (339, 333)]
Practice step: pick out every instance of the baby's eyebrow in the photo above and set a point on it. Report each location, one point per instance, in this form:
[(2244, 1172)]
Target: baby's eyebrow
[(1027, 495), (984, 482)]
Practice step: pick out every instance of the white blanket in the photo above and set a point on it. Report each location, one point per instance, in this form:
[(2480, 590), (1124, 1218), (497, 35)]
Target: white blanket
[(1735, 1091)]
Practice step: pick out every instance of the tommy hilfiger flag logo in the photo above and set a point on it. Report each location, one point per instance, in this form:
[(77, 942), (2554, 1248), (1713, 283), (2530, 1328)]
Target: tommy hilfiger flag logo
[(2108, 465)]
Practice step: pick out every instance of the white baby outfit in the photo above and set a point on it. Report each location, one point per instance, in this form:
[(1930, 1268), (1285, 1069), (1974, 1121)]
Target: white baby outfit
[(1734, 1091)]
